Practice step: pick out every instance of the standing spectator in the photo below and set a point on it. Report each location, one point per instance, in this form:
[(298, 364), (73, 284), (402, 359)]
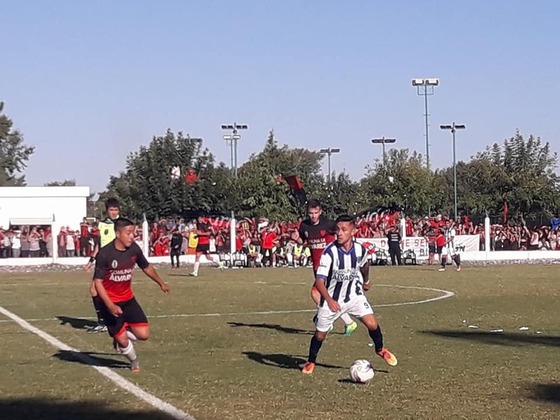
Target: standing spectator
[(61, 242), (24, 242), (70, 243), (85, 250), (176, 245), (394, 242), (16, 244), (7, 245), (33, 238)]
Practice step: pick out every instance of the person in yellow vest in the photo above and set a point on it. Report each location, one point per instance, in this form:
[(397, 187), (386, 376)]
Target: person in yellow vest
[(193, 242), (106, 236)]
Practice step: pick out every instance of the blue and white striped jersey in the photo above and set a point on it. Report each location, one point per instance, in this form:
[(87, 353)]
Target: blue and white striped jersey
[(341, 271)]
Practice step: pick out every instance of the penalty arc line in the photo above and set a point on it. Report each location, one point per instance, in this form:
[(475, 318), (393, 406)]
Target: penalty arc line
[(108, 373), (445, 294)]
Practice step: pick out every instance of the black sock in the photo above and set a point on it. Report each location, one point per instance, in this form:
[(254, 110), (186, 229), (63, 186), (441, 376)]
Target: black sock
[(314, 348), (443, 262), (457, 259), (377, 338), (98, 305)]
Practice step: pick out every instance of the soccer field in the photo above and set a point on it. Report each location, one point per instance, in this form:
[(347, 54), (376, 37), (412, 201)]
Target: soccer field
[(227, 345)]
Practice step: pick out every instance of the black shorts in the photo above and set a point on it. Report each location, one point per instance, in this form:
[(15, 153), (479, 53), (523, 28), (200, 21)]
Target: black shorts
[(432, 248), (267, 253), (204, 248), (132, 315), (439, 249)]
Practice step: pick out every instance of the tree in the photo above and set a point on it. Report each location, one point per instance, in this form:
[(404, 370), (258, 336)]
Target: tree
[(147, 185), (14, 154), (65, 183), (522, 175)]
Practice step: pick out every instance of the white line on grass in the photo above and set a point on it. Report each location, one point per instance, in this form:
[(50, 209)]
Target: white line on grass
[(445, 294), (108, 373)]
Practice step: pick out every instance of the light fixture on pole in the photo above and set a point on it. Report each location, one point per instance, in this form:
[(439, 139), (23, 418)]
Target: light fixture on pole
[(425, 87), (453, 128), (329, 151), (233, 138), (383, 141)]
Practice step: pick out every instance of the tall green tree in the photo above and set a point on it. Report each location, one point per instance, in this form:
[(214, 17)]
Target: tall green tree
[(147, 185), (14, 154)]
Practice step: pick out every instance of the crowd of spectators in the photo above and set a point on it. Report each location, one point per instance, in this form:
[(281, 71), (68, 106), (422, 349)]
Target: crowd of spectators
[(255, 235)]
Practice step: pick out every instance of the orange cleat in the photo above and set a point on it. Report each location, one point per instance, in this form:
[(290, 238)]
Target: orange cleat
[(308, 368), (387, 356)]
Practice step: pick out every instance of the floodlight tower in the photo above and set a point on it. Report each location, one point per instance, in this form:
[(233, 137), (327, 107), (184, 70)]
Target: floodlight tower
[(425, 87), (233, 138), (383, 141), (329, 151), (453, 128)]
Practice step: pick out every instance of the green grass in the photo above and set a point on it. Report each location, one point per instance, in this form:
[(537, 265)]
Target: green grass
[(245, 365)]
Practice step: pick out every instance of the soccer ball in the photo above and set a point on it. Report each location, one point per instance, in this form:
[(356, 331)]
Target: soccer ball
[(361, 371)]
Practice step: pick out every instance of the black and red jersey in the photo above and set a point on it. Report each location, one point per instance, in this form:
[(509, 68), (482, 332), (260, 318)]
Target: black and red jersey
[(317, 237), (115, 267)]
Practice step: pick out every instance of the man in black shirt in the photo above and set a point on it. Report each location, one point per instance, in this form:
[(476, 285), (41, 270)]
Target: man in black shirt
[(394, 242)]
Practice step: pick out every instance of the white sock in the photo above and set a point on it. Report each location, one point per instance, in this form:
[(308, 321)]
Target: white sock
[(346, 319), (196, 266), (131, 335), (129, 351)]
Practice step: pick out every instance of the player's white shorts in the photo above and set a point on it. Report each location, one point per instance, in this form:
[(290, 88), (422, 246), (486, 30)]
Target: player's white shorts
[(357, 307), (451, 251)]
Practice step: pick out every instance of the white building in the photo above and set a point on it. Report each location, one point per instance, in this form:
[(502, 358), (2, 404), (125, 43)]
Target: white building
[(55, 206)]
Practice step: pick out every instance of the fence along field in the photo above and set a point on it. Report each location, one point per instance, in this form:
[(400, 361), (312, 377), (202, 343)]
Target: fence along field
[(227, 346)]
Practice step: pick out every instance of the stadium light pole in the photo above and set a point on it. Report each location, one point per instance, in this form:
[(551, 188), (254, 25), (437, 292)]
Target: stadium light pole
[(453, 128), (329, 151), (425, 87), (383, 141), (233, 138)]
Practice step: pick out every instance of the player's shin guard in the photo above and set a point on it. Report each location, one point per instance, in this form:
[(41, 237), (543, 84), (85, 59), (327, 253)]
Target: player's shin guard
[(129, 351), (346, 319), (314, 348), (98, 305), (457, 259), (377, 338)]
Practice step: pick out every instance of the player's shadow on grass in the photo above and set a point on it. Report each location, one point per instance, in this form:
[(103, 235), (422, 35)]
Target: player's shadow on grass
[(78, 323), (277, 327), (56, 408), (283, 361), (504, 339), (91, 359), (545, 392)]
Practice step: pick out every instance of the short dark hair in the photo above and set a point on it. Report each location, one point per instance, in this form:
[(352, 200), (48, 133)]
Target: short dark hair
[(122, 222), (112, 202), (312, 204), (346, 218)]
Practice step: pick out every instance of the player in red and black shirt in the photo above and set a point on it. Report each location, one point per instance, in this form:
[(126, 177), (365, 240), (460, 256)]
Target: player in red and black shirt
[(318, 232), (203, 232), (124, 318)]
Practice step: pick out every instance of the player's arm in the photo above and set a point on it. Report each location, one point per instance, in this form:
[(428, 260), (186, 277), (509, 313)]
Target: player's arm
[(149, 270), (325, 265), (116, 310), (364, 269)]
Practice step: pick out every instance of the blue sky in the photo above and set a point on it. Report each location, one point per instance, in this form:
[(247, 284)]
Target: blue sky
[(77, 77)]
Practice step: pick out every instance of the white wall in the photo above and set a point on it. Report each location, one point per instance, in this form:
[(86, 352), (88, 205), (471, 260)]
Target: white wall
[(68, 205)]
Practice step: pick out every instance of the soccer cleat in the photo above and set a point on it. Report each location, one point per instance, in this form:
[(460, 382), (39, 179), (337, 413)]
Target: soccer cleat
[(387, 356), (222, 266), (193, 274), (135, 366), (97, 329), (308, 368), (349, 329), (459, 268)]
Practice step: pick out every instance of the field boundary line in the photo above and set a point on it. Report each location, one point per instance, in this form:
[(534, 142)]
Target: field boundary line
[(108, 373)]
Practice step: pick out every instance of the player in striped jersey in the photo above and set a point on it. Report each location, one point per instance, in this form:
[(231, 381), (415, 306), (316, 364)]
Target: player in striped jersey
[(450, 233), (342, 279)]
